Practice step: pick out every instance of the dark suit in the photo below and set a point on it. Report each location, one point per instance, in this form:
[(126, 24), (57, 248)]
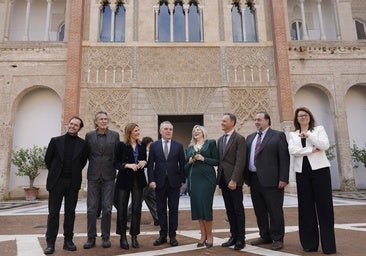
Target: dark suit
[(60, 187), (168, 174), (129, 181), (101, 178), (272, 165), (231, 167)]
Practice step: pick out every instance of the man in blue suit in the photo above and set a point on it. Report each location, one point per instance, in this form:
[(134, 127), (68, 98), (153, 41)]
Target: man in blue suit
[(165, 169)]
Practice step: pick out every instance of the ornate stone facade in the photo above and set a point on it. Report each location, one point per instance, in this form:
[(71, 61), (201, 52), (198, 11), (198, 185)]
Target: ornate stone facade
[(140, 80)]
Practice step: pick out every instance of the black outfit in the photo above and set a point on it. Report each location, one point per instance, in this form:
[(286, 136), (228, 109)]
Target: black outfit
[(148, 195), (129, 181), (314, 190), (65, 158)]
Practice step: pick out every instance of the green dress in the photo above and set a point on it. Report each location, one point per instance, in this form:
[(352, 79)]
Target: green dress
[(202, 180)]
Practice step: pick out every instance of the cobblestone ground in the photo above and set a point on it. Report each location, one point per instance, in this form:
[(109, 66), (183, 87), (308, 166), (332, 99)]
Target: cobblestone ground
[(22, 228)]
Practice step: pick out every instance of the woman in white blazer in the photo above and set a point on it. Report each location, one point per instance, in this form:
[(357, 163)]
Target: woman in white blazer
[(307, 147)]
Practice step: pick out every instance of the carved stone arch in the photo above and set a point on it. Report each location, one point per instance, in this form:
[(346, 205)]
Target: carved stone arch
[(23, 93), (239, 73), (231, 73), (330, 97)]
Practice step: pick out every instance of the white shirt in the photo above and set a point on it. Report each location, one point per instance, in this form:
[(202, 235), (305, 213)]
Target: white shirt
[(252, 151)]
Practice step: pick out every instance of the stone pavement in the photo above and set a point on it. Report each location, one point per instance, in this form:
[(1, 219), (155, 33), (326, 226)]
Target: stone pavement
[(23, 224)]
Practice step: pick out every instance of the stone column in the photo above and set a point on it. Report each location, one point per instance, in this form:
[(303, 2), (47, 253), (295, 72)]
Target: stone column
[(73, 63), (242, 9), (48, 20), (156, 19), (336, 19), (171, 13), (303, 20), (113, 7), (200, 10), (7, 21), (344, 157), (321, 23), (6, 135), (26, 26), (185, 9), (280, 45)]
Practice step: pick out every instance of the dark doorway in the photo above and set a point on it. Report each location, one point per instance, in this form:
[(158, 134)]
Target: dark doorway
[(183, 126)]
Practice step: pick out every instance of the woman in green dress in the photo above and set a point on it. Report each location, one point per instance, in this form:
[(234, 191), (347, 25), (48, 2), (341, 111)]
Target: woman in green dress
[(201, 157)]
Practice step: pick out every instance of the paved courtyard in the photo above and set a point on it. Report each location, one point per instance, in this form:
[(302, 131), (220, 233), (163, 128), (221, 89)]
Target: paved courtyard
[(23, 224)]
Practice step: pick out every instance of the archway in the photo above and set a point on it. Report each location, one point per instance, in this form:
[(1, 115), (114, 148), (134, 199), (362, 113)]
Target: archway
[(355, 102), (37, 119)]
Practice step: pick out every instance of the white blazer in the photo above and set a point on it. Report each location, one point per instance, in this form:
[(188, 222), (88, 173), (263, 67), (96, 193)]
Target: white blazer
[(317, 138)]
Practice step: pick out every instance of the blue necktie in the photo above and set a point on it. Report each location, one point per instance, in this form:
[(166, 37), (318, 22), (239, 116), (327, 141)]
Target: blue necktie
[(224, 142)]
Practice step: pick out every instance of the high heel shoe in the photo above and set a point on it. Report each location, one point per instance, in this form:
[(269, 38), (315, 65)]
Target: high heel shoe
[(199, 244), (208, 245)]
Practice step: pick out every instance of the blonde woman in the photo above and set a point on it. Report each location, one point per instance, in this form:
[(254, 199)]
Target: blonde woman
[(201, 157)]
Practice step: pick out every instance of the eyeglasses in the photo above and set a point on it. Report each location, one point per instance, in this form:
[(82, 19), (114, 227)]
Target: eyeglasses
[(303, 116)]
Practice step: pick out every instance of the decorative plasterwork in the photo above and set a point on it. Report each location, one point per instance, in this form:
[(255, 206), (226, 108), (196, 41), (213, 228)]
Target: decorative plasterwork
[(246, 102), (116, 102), (180, 100)]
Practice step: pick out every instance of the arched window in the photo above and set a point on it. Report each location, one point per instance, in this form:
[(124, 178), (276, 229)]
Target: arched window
[(61, 32), (112, 22), (105, 22), (243, 23), (360, 29), (179, 31), (186, 20), (194, 22), (164, 22), (120, 29), (296, 31)]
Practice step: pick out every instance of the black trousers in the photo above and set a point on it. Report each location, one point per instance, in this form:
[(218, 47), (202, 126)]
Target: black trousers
[(233, 200), (314, 192), (123, 196), (63, 189), (148, 195), (268, 209), (167, 196)]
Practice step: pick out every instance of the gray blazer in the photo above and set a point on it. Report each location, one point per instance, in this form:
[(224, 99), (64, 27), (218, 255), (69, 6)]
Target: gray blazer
[(233, 159), (101, 160)]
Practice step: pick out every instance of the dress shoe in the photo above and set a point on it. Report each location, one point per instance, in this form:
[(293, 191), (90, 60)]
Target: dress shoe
[(161, 240), (260, 241), (277, 245), (123, 243), (310, 250), (106, 243), (134, 242), (89, 243), (69, 245), (230, 242), (239, 245), (49, 249), (173, 241)]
